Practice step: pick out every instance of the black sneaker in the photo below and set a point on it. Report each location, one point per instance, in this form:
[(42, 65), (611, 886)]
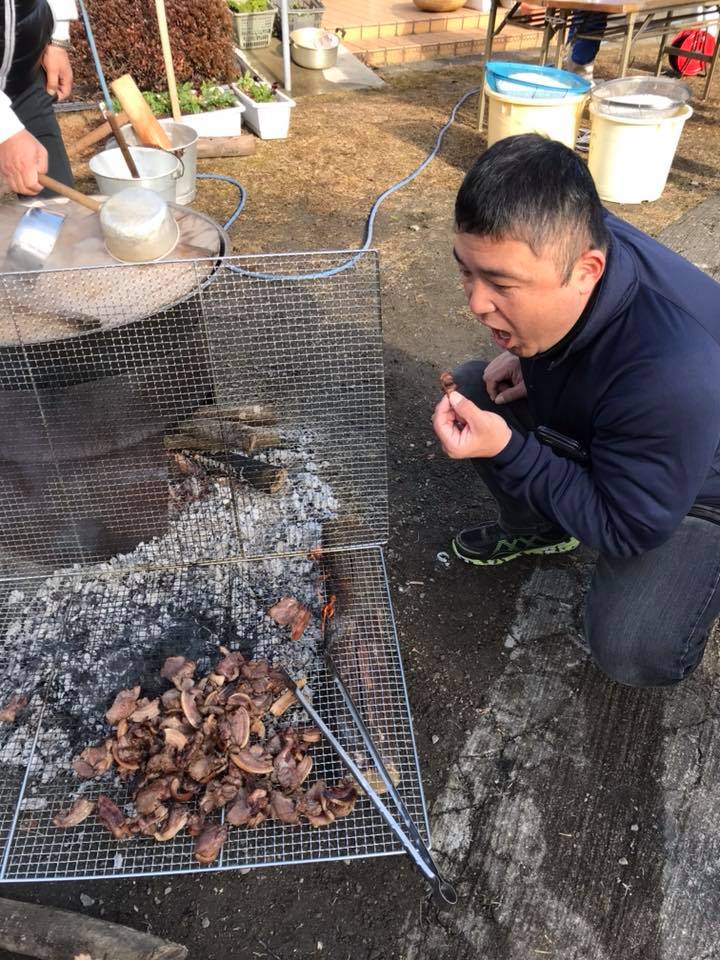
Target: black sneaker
[(488, 545)]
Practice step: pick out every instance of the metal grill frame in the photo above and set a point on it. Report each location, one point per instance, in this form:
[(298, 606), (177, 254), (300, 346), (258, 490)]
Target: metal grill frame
[(340, 386)]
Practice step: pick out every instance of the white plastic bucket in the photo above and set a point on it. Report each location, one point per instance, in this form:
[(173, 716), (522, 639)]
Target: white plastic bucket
[(630, 159), (557, 118)]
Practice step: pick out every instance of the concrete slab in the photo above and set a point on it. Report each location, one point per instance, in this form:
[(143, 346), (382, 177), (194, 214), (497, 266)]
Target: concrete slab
[(697, 236), (349, 74)]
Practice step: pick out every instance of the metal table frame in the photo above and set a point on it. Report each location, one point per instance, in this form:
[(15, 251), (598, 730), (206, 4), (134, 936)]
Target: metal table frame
[(627, 23)]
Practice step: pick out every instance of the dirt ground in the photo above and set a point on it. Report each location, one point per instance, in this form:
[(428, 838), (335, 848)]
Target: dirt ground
[(311, 192)]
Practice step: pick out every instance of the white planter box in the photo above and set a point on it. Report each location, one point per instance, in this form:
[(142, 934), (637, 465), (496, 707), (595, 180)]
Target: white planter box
[(216, 123), (270, 121)]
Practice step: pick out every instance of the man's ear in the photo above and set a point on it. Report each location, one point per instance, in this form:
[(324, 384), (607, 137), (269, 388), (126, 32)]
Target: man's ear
[(587, 271)]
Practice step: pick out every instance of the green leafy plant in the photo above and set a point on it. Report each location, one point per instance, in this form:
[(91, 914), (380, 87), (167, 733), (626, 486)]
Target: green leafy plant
[(255, 89), (209, 97), (248, 6)]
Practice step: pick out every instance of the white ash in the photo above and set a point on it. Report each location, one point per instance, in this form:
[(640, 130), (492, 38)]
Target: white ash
[(83, 635)]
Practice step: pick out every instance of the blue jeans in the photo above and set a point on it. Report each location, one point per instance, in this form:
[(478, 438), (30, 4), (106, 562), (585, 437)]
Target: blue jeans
[(647, 618), (585, 51)]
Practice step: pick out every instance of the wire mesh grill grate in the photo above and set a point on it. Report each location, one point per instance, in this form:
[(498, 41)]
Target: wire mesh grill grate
[(172, 451), (110, 623)]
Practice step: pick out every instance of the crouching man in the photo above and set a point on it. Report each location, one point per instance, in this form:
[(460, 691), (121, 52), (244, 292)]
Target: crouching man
[(599, 422)]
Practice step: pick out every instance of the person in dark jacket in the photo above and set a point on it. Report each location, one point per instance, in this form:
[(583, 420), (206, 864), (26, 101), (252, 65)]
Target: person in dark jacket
[(34, 71), (599, 422)]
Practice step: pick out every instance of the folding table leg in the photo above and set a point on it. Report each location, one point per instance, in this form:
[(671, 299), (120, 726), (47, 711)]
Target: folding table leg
[(711, 69), (490, 36), (661, 50), (627, 43), (561, 36)]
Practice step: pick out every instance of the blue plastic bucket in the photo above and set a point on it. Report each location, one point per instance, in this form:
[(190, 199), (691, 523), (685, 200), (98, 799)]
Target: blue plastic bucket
[(530, 82)]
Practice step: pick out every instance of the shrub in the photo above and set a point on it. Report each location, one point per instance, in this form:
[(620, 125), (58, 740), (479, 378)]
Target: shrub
[(128, 41), (248, 6)]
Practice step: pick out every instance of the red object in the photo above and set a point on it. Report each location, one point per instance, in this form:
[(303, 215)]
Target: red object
[(691, 41)]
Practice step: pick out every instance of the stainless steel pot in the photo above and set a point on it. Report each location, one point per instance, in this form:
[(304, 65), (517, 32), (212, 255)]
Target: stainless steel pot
[(314, 48), (159, 171), (184, 145)]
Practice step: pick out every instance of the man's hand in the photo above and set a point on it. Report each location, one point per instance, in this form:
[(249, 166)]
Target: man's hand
[(56, 64), (465, 430), (22, 158), (504, 380)]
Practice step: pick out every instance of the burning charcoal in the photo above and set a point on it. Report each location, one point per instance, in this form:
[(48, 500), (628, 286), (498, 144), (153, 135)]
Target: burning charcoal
[(177, 669), (209, 844), (111, 817), (78, 812), (93, 761), (123, 705), (8, 713), (447, 382)]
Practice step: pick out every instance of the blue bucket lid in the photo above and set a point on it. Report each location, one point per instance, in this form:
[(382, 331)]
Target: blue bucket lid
[(530, 80)]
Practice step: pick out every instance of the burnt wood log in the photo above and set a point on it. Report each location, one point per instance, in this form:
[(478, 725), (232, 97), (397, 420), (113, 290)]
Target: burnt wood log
[(50, 934), (221, 435), (253, 414)]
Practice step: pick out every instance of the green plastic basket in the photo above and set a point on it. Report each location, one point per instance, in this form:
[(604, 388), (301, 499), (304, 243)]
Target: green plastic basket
[(253, 30), (301, 13)]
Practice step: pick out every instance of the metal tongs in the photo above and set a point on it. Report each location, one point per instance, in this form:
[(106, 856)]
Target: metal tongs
[(408, 834)]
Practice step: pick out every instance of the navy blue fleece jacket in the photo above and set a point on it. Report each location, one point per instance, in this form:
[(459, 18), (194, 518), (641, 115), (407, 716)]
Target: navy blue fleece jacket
[(638, 385)]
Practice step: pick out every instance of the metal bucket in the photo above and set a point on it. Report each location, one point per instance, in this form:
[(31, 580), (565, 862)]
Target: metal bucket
[(314, 48), (184, 145), (159, 171)]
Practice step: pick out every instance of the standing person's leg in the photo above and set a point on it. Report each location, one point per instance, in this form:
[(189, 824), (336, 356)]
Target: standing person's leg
[(34, 107), (583, 51), (519, 529), (647, 618)]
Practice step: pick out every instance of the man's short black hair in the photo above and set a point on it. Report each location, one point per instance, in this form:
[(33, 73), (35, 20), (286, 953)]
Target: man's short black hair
[(535, 190)]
